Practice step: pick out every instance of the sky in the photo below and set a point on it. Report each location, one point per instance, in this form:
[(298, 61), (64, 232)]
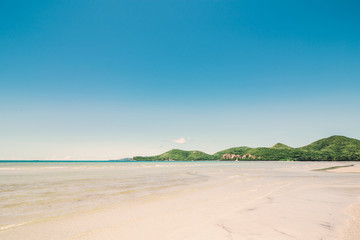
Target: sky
[(112, 79)]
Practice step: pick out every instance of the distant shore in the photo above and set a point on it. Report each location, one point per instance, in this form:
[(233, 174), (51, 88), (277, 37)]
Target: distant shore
[(334, 148)]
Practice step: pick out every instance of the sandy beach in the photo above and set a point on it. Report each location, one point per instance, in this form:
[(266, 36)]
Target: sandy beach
[(179, 120), (352, 229), (232, 201)]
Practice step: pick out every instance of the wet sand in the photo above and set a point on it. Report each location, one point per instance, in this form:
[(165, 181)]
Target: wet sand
[(280, 201), (347, 169)]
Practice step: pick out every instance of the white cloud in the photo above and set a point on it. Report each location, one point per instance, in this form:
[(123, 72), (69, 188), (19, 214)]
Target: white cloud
[(180, 140)]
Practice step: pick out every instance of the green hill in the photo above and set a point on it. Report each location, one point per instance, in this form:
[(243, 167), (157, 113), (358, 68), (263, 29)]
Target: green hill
[(235, 150), (179, 155), (281, 146), (334, 143), (261, 153), (334, 148)]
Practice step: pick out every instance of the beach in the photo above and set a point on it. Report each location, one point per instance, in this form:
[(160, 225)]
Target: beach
[(179, 200)]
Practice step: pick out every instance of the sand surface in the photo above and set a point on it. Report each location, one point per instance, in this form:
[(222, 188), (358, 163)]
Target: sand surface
[(268, 204), (351, 230)]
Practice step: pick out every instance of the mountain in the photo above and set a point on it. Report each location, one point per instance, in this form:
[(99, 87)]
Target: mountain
[(179, 155), (260, 153), (120, 160), (334, 148), (334, 143), (281, 146)]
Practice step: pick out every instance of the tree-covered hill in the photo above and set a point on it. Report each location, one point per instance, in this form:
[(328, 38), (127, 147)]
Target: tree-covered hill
[(261, 153), (180, 155), (334, 148), (281, 146), (334, 143)]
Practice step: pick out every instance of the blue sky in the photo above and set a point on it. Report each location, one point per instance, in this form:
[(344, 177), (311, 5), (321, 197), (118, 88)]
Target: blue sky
[(111, 79)]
